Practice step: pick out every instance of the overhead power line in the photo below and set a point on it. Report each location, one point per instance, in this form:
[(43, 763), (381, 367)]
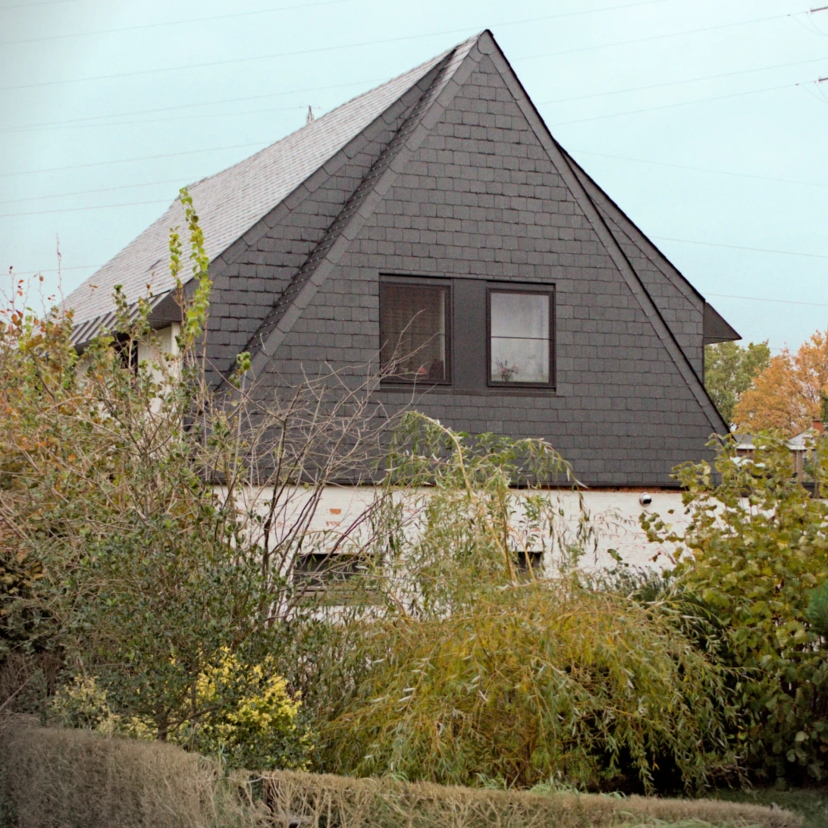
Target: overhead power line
[(130, 160), (577, 152), (320, 49), (674, 105), (658, 37), (739, 247), (35, 5), (765, 299), (95, 207), (81, 121), (193, 20), (92, 192), (169, 118), (699, 169), (267, 143), (683, 81), (95, 121), (705, 293), (188, 22)]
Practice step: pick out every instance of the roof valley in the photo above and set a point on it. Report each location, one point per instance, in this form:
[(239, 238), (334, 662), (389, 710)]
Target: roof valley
[(263, 343)]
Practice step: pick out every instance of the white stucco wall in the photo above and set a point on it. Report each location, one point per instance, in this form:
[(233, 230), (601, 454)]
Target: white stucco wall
[(614, 516)]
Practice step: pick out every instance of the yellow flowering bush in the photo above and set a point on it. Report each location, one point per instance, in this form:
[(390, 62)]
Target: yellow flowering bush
[(84, 704), (251, 720)]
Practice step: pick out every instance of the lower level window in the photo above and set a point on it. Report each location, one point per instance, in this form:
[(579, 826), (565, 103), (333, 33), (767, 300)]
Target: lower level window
[(414, 332), (321, 570), (520, 337)]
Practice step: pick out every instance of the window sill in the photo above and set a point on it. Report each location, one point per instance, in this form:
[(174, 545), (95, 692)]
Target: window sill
[(496, 391)]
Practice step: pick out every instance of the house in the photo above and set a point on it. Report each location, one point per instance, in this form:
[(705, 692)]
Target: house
[(436, 225), (800, 445)]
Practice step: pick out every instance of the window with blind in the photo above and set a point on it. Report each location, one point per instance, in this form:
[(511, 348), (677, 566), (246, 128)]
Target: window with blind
[(520, 337), (414, 332)]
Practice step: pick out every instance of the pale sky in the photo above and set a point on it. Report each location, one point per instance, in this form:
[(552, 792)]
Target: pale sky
[(703, 119)]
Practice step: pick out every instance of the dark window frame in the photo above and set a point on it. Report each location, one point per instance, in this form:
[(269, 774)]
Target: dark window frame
[(429, 282), (532, 290)]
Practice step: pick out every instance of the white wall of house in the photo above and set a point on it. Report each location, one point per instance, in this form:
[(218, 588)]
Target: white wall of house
[(165, 343), (614, 516)]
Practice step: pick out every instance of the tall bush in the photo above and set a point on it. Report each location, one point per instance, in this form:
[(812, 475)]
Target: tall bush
[(464, 664), (149, 521), (753, 552)]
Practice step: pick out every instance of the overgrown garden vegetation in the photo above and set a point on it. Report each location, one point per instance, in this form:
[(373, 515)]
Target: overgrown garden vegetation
[(152, 534)]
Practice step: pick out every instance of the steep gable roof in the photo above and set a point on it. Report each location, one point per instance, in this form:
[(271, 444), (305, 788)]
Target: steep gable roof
[(235, 202), (231, 201)]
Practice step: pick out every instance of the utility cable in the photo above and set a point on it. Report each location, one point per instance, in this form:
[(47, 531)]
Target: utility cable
[(275, 9), (697, 169), (189, 22), (686, 80), (674, 105), (362, 45), (764, 299), (740, 247), (84, 123), (130, 160)]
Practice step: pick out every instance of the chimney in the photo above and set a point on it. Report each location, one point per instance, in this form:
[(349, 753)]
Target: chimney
[(818, 426)]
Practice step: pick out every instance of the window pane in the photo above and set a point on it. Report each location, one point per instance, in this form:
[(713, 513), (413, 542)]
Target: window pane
[(516, 359), (413, 329), (520, 337), (520, 314)]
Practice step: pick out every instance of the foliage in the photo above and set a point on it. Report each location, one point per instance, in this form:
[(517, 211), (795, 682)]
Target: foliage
[(729, 370), (150, 521), (388, 803), (788, 393), (83, 704), (809, 803), (246, 716), (464, 664), (817, 612), (75, 778), (755, 547), (82, 779), (252, 721)]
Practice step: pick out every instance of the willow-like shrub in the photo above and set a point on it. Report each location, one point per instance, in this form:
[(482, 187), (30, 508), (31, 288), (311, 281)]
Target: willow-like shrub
[(465, 665)]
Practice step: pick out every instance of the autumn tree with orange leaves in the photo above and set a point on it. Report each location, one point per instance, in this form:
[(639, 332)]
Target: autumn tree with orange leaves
[(788, 394)]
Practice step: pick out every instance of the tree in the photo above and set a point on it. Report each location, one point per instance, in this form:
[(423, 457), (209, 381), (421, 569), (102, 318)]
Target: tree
[(149, 523), (468, 662), (755, 553), (729, 370), (788, 393)]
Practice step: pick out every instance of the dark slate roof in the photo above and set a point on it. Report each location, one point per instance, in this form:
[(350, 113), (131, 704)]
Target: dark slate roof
[(230, 202), (234, 205)]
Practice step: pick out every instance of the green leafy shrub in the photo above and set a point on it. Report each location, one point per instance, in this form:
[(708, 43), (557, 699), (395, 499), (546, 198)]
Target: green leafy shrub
[(251, 720), (754, 549), (817, 612)]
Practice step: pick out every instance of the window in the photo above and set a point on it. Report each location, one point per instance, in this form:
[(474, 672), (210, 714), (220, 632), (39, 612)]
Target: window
[(529, 560), (414, 332), (127, 350), (323, 570), (520, 337)]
